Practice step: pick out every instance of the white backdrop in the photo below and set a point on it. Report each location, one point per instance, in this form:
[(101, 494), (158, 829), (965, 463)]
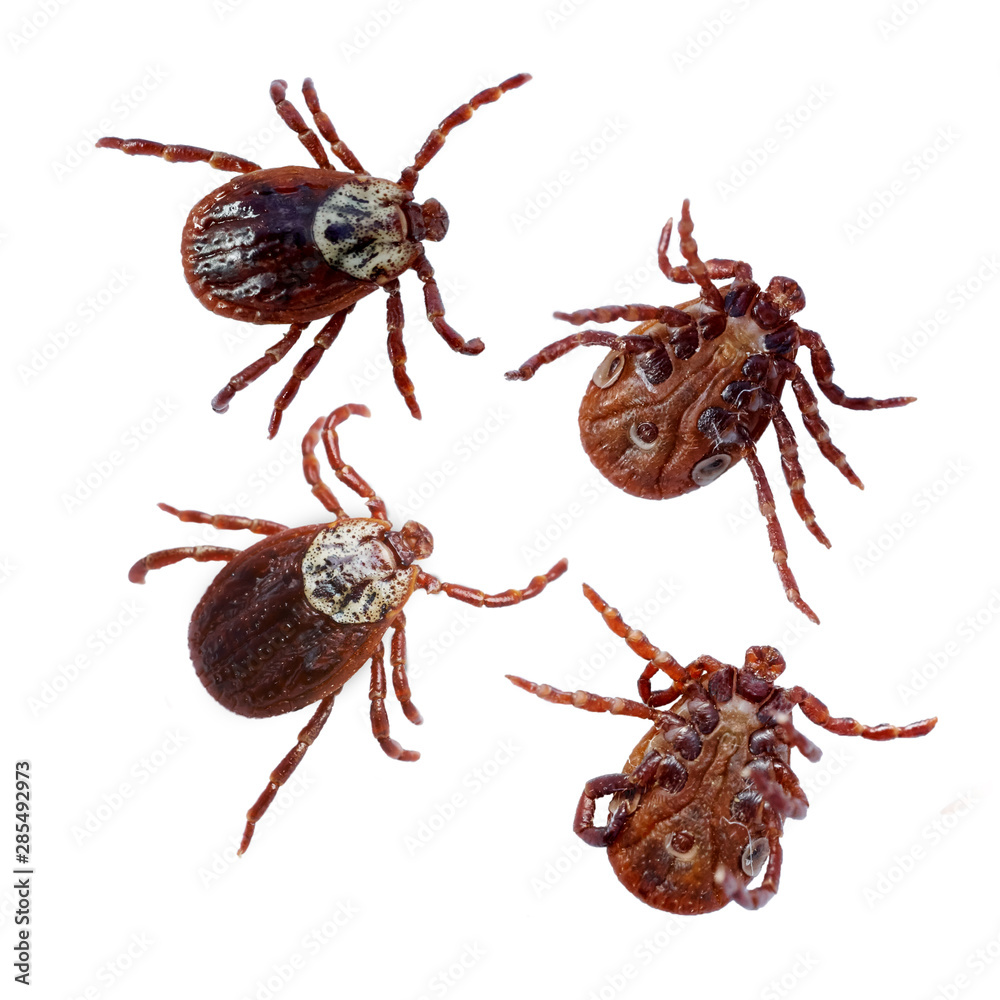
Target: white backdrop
[(850, 147)]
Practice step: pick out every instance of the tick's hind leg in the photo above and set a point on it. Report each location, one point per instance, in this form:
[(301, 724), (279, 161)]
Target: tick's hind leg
[(754, 899), (179, 154), (284, 770), (481, 600), (628, 344), (400, 682), (304, 367), (230, 522), (459, 116), (765, 500), (822, 365), (397, 351), (326, 129), (818, 429), (220, 403), (583, 822), (794, 475), (380, 721), (167, 557)]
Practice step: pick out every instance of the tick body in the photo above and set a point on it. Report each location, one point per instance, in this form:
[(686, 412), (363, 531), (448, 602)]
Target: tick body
[(697, 812), (298, 244), (289, 620), (686, 395)]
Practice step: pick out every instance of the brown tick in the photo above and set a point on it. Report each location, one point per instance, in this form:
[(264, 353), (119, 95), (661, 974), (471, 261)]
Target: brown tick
[(288, 621), (685, 395), (697, 812), (296, 244)]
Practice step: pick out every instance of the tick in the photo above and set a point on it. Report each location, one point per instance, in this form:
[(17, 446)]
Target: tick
[(297, 244), (696, 814), (289, 620), (687, 394)]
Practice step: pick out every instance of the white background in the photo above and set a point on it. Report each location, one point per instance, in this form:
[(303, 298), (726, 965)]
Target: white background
[(787, 125)]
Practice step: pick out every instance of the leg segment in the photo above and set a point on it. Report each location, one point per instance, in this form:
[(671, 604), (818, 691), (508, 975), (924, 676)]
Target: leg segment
[(227, 521), (818, 429), (791, 806), (167, 557), (815, 711), (697, 270), (822, 365), (794, 475), (284, 770), (305, 367), (460, 115), (587, 701), (346, 473), (310, 468), (765, 500), (326, 129), (400, 683), (290, 116), (380, 721), (179, 154), (635, 313), (253, 372), (480, 600), (639, 644), (435, 311), (754, 899), (583, 822), (397, 352), (629, 344)]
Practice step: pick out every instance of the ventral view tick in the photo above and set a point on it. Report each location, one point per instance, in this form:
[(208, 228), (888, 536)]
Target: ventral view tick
[(297, 244), (697, 812), (686, 395), (289, 620)]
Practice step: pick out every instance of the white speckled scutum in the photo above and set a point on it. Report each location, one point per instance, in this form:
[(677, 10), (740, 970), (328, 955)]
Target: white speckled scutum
[(351, 575), (360, 230)]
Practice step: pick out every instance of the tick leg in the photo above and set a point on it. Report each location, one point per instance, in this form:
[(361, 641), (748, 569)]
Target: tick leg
[(380, 721), (461, 114), (251, 373), (305, 367), (397, 352), (477, 598), (346, 473), (583, 822), (310, 467), (818, 429), (765, 500), (227, 521), (629, 344), (815, 711), (639, 644), (585, 700), (179, 154), (754, 899), (435, 311), (284, 770), (167, 557), (290, 116), (696, 270), (790, 806), (822, 365), (718, 267), (634, 313), (397, 657), (326, 129), (794, 475)]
